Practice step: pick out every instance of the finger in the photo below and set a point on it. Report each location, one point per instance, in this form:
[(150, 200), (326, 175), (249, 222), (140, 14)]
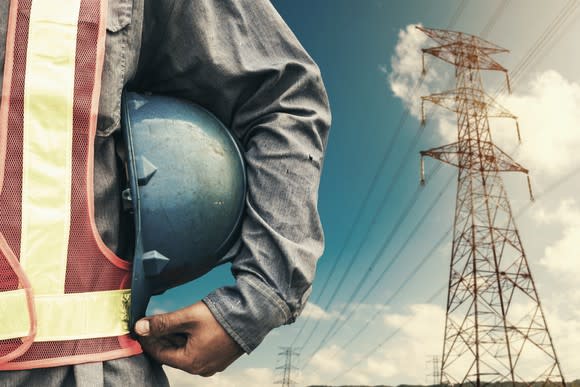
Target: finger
[(177, 358), (164, 353), (162, 324), (207, 374), (176, 339)]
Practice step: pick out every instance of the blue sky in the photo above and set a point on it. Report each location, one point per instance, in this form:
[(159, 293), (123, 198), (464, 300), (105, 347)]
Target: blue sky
[(354, 43)]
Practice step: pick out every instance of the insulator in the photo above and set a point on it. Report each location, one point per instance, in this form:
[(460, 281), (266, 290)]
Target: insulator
[(507, 79), (518, 130), (530, 189), (422, 171)]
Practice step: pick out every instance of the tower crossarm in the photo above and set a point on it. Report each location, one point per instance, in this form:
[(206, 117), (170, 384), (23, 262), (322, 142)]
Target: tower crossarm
[(462, 55), (288, 352), (457, 99), (503, 162), (495, 329), (462, 155), (463, 50), (447, 37)]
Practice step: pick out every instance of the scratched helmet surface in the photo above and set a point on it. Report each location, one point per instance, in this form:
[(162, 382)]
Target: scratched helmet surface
[(187, 192)]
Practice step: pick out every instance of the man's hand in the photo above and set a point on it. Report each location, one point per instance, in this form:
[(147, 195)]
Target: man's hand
[(189, 339)]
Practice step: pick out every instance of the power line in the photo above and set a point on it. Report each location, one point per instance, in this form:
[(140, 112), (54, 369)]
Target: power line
[(551, 188), (395, 258), (500, 9), (435, 369), (522, 65), (544, 39), (390, 337), (494, 18), (457, 12), (429, 255), (347, 271), (406, 281), (540, 44), (405, 115), (489, 270), (363, 205), (286, 380)]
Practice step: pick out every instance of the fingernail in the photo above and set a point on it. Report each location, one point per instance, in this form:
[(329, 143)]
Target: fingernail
[(142, 327)]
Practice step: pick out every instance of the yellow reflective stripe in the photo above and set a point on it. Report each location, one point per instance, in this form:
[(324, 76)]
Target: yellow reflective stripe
[(14, 318), (47, 147), (66, 317)]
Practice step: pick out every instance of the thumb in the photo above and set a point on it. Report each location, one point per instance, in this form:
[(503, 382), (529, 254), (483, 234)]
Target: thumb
[(158, 325), (142, 327)]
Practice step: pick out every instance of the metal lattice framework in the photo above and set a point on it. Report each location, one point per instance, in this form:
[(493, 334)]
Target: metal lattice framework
[(288, 353), (495, 328)]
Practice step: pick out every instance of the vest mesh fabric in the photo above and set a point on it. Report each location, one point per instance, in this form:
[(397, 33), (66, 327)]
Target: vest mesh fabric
[(91, 266)]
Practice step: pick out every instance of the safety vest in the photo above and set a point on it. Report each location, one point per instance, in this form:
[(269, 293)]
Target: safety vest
[(63, 294)]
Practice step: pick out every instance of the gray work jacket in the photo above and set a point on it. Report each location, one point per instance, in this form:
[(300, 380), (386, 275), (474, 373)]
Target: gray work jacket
[(238, 59)]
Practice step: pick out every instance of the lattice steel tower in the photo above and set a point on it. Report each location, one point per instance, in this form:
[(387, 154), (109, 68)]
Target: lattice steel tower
[(495, 329), (287, 368), (436, 370)]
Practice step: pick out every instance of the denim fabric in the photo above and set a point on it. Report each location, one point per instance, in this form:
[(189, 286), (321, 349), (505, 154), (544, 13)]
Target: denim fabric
[(238, 59), (132, 371)]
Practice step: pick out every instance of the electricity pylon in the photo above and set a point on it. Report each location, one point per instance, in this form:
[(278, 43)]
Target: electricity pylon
[(287, 368), (495, 328), (436, 370)]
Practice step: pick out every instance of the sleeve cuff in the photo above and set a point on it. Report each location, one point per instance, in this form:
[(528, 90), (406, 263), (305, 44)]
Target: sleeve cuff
[(248, 311)]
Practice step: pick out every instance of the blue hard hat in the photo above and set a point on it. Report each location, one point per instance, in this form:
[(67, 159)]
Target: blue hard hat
[(187, 188)]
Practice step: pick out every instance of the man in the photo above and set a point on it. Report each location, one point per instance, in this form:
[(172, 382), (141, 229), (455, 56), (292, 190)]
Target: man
[(239, 60)]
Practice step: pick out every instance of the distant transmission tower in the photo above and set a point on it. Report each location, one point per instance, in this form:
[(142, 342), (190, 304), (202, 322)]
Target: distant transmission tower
[(288, 353), (495, 329), (435, 370)]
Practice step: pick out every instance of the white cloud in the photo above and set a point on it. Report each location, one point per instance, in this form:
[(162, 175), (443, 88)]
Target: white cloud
[(329, 359), (352, 312), (548, 110), (567, 214), (565, 332), (255, 377), (559, 267), (179, 378), (357, 313), (549, 118), (378, 367), (420, 337), (404, 78), (400, 360), (548, 107), (562, 256), (407, 68), (315, 312), (262, 377)]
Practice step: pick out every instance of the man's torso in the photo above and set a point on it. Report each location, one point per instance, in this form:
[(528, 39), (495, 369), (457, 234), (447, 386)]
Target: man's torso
[(124, 24)]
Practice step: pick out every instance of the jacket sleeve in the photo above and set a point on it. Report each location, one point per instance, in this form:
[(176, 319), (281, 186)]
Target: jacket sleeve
[(238, 59)]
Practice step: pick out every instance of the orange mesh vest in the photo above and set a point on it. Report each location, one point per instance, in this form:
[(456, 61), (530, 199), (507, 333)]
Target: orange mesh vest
[(63, 294)]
